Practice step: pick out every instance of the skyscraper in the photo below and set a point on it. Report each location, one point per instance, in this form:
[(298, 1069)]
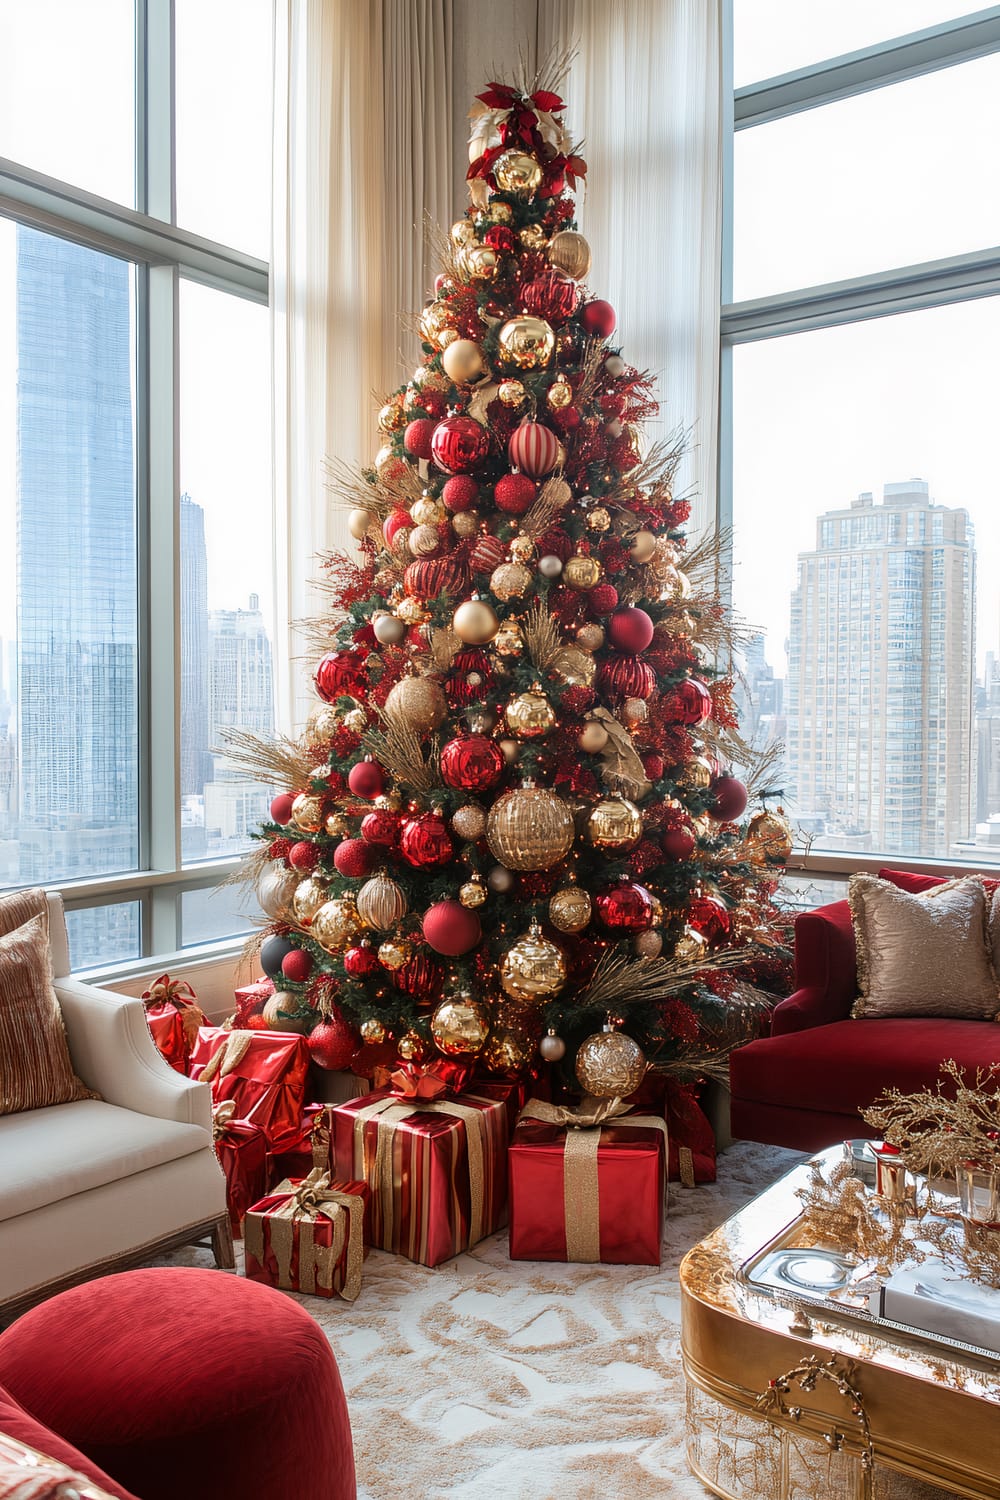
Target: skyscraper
[(196, 765), (879, 700), (240, 696)]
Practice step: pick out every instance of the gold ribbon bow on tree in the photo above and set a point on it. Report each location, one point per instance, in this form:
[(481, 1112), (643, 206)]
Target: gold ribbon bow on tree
[(179, 994), (581, 1186), (317, 1263)]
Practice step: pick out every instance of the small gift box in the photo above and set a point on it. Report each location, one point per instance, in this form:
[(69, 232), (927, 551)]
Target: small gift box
[(436, 1165), (174, 1016), (263, 1072), (251, 999), (242, 1152), (308, 1237), (587, 1184), (310, 1149)]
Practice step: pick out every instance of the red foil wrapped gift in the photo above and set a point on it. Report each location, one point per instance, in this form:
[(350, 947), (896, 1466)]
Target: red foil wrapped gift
[(310, 1149), (692, 1139), (587, 1184), (251, 999), (174, 1016), (436, 1166), (309, 1237), (263, 1072), (242, 1152)]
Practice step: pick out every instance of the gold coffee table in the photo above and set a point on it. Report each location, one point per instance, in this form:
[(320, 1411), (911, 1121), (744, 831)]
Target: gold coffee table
[(930, 1414)]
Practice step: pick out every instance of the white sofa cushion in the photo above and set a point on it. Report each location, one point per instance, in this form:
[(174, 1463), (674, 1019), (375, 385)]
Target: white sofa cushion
[(54, 1153)]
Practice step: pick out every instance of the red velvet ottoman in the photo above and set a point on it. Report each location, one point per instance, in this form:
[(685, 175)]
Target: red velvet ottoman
[(185, 1382)]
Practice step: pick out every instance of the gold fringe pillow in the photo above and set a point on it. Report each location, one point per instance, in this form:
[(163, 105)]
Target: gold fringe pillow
[(923, 955), (35, 1066)]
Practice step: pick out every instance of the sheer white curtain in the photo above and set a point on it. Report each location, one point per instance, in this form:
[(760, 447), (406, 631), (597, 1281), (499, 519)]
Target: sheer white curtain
[(362, 147)]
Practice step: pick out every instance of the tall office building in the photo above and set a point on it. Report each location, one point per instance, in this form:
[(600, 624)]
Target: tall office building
[(879, 699), (241, 696), (196, 763)]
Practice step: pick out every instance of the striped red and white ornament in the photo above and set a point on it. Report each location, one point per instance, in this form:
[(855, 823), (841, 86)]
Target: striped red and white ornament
[(534, 449)]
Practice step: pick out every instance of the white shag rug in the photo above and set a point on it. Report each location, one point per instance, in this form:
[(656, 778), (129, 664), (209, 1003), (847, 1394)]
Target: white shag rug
[(493, 1379)]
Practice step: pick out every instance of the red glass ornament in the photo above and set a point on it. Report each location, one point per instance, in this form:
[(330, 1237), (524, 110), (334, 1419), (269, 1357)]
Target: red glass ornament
[(457, 688), (361, 962), (630, 629), (303, 855), (433, 576), (533, 448), (281, 808), (729, 798), (626, 677), (367, 779), (678, 843), (425, 841), (395, 521), (709, 916), (602, 599), (690, 702), (514, 493), (333, 1042), (459, 444), (459, 493), (339, 673), (472, 763), (488, 553), (297, 966), (420, 977), (451, 928), (417, 437), (380, 827), (551, 296), (499, 237), (598, 318), (626, 907), (355, 858)]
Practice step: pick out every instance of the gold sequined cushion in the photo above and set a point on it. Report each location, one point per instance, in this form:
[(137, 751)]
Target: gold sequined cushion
[(923, 955)]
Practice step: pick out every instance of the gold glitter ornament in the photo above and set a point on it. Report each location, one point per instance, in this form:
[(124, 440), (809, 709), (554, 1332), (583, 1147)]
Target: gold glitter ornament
[(559, 393), (479, 261), (648, 944), (610, 1064), (527, 342), (500, 213), (400, 544), (598, 519), (642, 546), (411, 611), (322, 724), (517, 172), (417, 703), (590, 637), (424, 541), (592, 737), (530, 716), (582, 573), (466, 523), (614, 823), (472, 893), (570, 909), (529, 828), (509, 640), (336, 825), (533, 969), (460, 1026), (391, 417), (336, 924), (355, 719), (574, 666), (533, 237), (635, 711), (511, 392), (307, 812), (568, 251), (462, 232), (511, 580), (372, 1031), (427, 511), (310, 895), (469, 822), (522, 549), (394, 953), (381, 903)]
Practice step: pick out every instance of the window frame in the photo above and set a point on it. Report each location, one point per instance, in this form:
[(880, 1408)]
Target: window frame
[(163, 255), (959, 278)]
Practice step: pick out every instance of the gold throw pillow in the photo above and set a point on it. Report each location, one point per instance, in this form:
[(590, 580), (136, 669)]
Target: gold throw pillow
[(923, 955)]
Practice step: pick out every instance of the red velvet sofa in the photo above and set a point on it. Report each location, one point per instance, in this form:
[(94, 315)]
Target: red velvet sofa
[(804, 1085)]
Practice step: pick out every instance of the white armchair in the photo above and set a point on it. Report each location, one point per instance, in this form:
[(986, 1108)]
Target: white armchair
[(101, 1185)]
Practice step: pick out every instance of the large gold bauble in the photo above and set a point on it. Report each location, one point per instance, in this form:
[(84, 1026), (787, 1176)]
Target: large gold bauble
[(570, 909), (394, 953), (322, 724), (463, 360), (526, 342), (695, 773), (335, 925), (436, 325), (476, 622), (417, 703), (573, 665), (424, 541), (530, 716), (509, 639), (511, 392), (769, 838), (469, 822), (462, 232), (529, 828), (569, 252), (615, 823), (582, 573), (511, 581), (516, 172), (508, 1053), (479, 261), (610, 1065), (427, 511), (310, 895), (533, 969), (307, 812), (460, 1026), (381, 903)]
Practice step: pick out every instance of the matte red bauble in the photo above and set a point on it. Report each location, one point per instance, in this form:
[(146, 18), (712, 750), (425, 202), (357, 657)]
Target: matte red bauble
[(630, 629), (451, 928), (332, 1043), (534, 449), (599, 318), (729, 798), (340, 673), (709, 916), (626, 677), (362, 962), (678, 843), (395, 521), (380, 827), (460, 493), (417, 437), (420, 977), (551, 296), (653, 764), (297, 966), (432, 576), (626, 907), (690, 702), (425, 841), (303, 855), (366, 779), (355, 858), (472, 763), (281, 808), (459, 444), (514, 493), (602, 599)]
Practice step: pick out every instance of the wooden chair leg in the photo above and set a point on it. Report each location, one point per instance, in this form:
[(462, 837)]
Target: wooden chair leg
[(222, 1244)]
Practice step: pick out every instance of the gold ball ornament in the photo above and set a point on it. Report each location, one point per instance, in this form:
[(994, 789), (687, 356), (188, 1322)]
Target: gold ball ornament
[(574, 666), (511, 392), (614, 823), (511, 580), (460, 1026), (533, 237), (642, 546), (466, 523), (372, 1031), (582, 573), (355, 719), (533, 969), (476, 622), (336, 825), (559, 393), (529, 828), (635, 711), (462, 232), (590, 637), (695, 773), (469, 822), (427, 511), (436, 327), (769, 838), (359, 523), (509, 639), (479, 261), (500, 213), (598, 519), (530, 716), (417, 703), (381, 903), (412, 1047), (690, 947), (570, 252), (516, 172), (424, 541), (336, 924), (400, 544), (394, 953), (472, 894), (322, 724), (592, 737), (310, 895), (391, 417), (463, 361), (526, 342), (610, 1065), (508, 1053), (411, 611), (522, 549), (307, 812), (570, 909)]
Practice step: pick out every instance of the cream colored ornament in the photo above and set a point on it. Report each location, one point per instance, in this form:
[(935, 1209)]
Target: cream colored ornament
[(336, 925), (381, 903), (582, 573), (517, 172), (463, 361), (359, 523), (570, 909), (476, 622), (355, 719), (427, 511), (530, 716), (511, 580), (460, 1026), (469, 822), (526, 342), (570, 252), (529, 828), (675, 586), (389, 630), (307, 812), (275, 889), (642, 546), (510, 750), (466, 523), (610, 1064), (424, 541), (592, 737), (310, 894), (614, 823), (635, 711), (533, 969), (416, 703)]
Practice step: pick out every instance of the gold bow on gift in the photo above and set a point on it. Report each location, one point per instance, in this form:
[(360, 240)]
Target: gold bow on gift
[(227, 1057), (312, 1197), (179, 994), (581, 1189)]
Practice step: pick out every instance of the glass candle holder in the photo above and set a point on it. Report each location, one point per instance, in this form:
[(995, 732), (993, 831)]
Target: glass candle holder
[(978, 1192)]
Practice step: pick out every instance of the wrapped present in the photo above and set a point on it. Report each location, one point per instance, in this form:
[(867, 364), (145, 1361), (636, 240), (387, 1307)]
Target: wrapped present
[(587, 1184), (174, 1016), (251, 999), (242, 1152), (263, 1072), (308, 1237), (692, 1140), (513, 1094), (310, 1149), (436, 1165)]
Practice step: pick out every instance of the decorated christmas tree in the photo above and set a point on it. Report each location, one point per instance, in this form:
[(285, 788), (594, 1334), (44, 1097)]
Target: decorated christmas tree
[(511, 821)]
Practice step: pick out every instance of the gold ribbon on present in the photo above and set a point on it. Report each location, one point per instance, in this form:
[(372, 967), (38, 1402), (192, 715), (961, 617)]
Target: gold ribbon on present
[(312, 1197), (581, 1185), (179, 994), (227, 1057), (223, 1116), (320, 1140)]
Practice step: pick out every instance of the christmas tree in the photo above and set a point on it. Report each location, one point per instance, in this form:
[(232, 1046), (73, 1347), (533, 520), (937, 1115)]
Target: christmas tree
[(510, 822)]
